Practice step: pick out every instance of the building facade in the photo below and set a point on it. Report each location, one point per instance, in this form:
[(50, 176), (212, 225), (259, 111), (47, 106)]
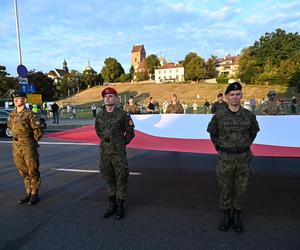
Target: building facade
[(138, 54), (169, 72), (59, 74), (227, 66)]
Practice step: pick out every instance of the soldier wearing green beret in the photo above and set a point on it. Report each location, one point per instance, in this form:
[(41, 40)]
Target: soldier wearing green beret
[(27, 131), (232, 131)]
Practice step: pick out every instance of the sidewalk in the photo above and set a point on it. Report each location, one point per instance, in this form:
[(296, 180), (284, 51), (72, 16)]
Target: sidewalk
[(69, 123)]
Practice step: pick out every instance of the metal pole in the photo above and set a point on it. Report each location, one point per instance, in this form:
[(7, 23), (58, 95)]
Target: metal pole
[(18, 32)]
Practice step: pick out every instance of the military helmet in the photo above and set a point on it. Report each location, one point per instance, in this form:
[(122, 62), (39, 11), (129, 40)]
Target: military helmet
[(271, 94)]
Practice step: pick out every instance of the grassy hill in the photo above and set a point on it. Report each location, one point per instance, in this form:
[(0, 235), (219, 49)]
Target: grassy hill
[(186, 92)]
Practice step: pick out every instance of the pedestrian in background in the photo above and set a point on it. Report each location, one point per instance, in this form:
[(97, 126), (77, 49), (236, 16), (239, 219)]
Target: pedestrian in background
[(55, 112), (206, 106), (115, 129), (27, 131), (219, 104), (131, 107), (232, 131), (174, 107), (293, 105), (94, 110)]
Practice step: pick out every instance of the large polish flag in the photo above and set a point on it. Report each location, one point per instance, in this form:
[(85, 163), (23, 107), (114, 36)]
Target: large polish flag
[(279, 136)]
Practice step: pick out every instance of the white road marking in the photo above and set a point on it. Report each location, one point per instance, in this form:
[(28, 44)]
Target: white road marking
[(85, 170), (59, 143)]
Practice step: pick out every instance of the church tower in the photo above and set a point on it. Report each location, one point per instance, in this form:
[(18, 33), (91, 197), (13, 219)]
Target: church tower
[(138, 53), (65, 66)]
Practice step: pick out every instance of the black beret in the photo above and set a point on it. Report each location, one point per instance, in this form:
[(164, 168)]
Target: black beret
[(233, 86), (19, 94)]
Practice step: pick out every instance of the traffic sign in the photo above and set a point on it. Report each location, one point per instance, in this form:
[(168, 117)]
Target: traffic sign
[(27, 88), (23, 80), (22, 70)]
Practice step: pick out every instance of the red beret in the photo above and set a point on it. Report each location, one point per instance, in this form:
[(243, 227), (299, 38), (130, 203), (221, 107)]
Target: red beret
[(108, 90)]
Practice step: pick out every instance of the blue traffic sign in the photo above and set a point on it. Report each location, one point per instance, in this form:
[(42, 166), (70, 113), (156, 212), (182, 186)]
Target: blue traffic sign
[(27, 88), (22, 71)]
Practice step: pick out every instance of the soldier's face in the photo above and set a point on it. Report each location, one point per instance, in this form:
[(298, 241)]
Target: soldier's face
[(234, 97), (19, 101), (110, 100), (174, 99), (130, 101)]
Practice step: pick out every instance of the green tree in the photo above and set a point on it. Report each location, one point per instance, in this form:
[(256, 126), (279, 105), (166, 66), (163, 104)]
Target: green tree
[(6, 83), (210, 66), (89, 78), (152, 63), (142, 76), (112, 70), (44, 85), (194, 67), (131, 73)]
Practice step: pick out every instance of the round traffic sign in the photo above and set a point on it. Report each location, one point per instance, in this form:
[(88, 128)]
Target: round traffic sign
[(22, 70)]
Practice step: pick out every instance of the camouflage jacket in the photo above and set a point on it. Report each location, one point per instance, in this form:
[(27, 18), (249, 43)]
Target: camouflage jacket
[(115, 129), (233, 130), (217, 106), (132, 109), (25, 125), (175, 108), (271, 108)]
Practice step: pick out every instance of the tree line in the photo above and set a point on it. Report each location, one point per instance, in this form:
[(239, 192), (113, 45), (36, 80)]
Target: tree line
[(273, 59)]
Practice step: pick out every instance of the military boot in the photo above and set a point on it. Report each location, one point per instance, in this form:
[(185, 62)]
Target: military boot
[(25, 199), (120, 211), (33, 199), (112, 207), (236, 221), (225, 221)]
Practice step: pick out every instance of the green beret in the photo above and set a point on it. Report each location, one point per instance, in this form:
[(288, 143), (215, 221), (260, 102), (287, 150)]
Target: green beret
[(233, 86)]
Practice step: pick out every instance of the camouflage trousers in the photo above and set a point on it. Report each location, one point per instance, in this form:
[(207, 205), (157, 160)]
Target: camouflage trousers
[(233, 175), (26, 158), (114, 169)]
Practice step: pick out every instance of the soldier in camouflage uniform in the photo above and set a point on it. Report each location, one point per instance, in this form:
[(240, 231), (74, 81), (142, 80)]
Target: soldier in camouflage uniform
[(174, 107), (27, 131), (232, 131), (131, 107), (271, 106), (220, 104), (115, 129)]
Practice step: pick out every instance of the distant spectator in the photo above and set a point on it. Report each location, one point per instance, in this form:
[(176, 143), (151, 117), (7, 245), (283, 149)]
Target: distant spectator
[(55, 112), (293, 105), (247, 104), (206, 106), (131, 107), (151, 106), (219, 104), (94, 110), (185, 106), (195, 108), (69, 111), (174, 107), (252, 104)]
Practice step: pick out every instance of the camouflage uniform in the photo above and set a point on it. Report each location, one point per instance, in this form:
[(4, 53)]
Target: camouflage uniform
[(217, 106), (26, 130), (232, 134), (116, 130), (174, 108), (271, 108), (132, 109)]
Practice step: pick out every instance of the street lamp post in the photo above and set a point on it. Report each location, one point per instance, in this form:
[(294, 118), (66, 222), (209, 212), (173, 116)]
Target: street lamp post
[(18, 32)]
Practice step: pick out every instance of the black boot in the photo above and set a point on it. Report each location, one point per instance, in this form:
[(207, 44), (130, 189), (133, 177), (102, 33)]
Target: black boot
[(120, 211), (33, 199), (25, 199), (112, 207), (226, 220), (236, 221)]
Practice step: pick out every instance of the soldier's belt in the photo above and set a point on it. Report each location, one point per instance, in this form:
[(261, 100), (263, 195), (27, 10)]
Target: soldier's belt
[(234, 151)]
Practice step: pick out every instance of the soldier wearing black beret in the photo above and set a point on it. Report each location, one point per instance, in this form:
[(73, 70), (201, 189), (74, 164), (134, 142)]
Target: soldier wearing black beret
[(232, 131)]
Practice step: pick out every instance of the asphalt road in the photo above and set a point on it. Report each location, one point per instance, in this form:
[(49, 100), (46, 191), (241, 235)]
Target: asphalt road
[(172, 203)]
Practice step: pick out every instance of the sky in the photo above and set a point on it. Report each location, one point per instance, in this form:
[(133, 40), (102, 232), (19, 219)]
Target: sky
[(78, 31)]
